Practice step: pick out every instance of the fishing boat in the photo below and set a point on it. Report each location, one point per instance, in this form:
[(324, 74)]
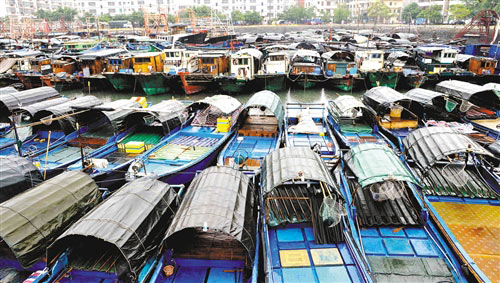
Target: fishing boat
[(148, 67), (438, 63), (79, 45), (306, 69), (397, 114), (210, 65), (57, 120), (143, 128), (340, 69), (353, 122), (223, 247), (390, 222), (51, 207), (260, 130), (119, 71), (372, 67), (461, 194), (39, 66), (18, 175), (16, 61), (306, 126), (243, 67), (303, 241), (481, 66), (176, 159), (89, 250), (93, 64), (64, 74), (272, 75), (103, 126), (468, 93)]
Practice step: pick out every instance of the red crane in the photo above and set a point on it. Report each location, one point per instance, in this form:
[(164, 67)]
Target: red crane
[(484, 24)]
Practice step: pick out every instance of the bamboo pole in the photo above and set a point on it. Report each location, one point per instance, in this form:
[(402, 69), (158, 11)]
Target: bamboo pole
[(46, 157)]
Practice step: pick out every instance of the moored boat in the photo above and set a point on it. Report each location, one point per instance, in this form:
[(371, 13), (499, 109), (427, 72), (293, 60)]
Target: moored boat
[(306, 69), (372, 67), (210, 66), (272, 75), (119, 71), (243, 66), (340, 69)]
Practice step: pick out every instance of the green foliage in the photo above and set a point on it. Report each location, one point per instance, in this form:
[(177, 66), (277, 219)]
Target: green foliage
[(477, 5), (252, 18), (297, 14), (432, 14), (202, 11), (325, 16), (171, 18), (105, 18), (459, 12), (136, 18), (341, 14), (237, 16), (411, 12), (379, 10), (65, 13)]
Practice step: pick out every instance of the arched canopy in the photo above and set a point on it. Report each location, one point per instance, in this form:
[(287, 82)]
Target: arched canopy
[(126, 226), (250, 51), (270, 101), (374, 163), (429, 145), (15, 100), (380, 98), (219, 203), (346, 106), (32, 109), (7, 89), (17, 174), (34, 219), (168, 114), (224, 103), (66, 124), (108, 116), (481, 96), (338, 54), (283, 165)]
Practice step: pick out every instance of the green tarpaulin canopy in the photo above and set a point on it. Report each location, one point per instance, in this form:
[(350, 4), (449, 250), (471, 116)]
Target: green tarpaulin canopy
[(269, 100)]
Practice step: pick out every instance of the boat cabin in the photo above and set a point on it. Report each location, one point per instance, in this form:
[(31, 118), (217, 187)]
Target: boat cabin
[(443, 55), (213, 63), (245, 63), (306, 62), (369, 60), (120, 63), (94, 63), (148, 62), (482, 65), (339, 63), (276, 63), (179, 60), (41, 65), (79, 45), (64, 64)]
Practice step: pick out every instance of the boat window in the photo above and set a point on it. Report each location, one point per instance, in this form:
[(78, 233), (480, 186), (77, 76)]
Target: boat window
[(277, 58), (207, 60), (242, 61), (143, 60), (483, 64), (376, 56)]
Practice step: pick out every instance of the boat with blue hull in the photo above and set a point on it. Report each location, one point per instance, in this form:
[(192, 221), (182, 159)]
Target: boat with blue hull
[(303, 241), (56, 119), (51, 207), (90, 250), (200, 246), (462, 196), (144, 129), (259, 132), (306, 126), (176, 159), (391, 222)]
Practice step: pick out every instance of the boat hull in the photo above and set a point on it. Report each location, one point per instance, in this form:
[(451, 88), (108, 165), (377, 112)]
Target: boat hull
[(233, 85), (379, 78), (156, 83), (272, 82), (30, 80), (121, 81)]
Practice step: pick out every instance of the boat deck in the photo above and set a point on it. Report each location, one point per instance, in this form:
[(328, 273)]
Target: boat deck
[(210, 271), (476, 225), (295, 257), (254, 148)]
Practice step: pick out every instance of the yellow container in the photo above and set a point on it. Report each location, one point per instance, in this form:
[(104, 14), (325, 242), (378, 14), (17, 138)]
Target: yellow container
[(396, 111), (141, 100), (134, 147), (223, 124)]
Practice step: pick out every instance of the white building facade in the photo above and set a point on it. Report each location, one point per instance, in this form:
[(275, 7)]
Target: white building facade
[(27, 8)]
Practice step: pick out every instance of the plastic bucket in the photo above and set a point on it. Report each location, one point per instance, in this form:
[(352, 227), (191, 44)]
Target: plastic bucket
[(396, 111)]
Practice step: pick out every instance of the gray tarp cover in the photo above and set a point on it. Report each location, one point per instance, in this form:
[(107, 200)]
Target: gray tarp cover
[(423, 96), (344, 105), (269, 100), (222, 199), (163, 112), (381, 97), (39, 106), (119, 109), (17, 174), (68, 124), (431, 144), (476, 94), (6, 64), (7, 89), (284, 164), (125, 220), (225, 103), (13, 101), (34, 219)]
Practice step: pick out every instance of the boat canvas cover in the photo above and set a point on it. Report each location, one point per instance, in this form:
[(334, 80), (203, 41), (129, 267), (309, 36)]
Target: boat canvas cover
[(6, 64), (68, 124), (35, 218), (128, 220), (39, 106), (283, 165), (343, 106), (7, 89), (429, 145), (269, 100), (13, 101), (113, 112), (476, 94), (220, 199), (163, 112), (224, 103), (104, 53), (251, 52), (383, 97), (424, 96), (338, 53), (375, 163), (17, 174)]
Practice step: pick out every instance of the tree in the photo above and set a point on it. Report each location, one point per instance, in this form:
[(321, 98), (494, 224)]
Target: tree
[(65, 13), (252, 18), (171, 18), (432, 14), (477, 5), (411, 12), (341, 14), (297, 14), (237, 16), (326, 17), (459, 12), (202, 11), (105, 18), (378, 10)]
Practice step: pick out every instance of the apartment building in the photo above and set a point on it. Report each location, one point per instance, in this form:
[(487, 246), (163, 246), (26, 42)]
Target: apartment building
[(27, 8)]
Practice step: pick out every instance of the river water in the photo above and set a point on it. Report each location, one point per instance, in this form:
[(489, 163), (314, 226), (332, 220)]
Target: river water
[(287, 95)]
